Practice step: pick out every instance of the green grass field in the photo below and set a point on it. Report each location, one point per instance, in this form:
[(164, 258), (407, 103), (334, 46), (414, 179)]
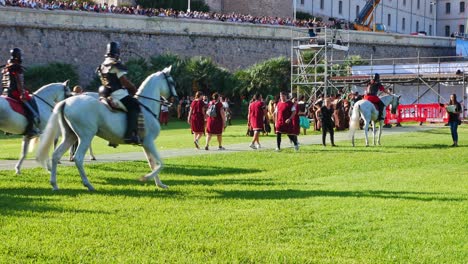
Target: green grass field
[(404, 202)]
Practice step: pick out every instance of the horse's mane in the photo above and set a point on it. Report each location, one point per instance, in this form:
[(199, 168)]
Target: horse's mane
[(149, 81)]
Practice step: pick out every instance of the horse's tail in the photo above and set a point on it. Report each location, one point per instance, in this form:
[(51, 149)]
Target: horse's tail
[(355, 116), (49, 135), (32, 144)]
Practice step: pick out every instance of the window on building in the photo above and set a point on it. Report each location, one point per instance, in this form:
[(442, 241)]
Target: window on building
[(340, 7), (389, 19), (430, 7), (447, 31), (357, 11), (461, 29), (418, 4), (447, 8), (430, 30), (417, 26), (404, 2), (403, 24), (302, 2), (322, 4), (462, 7)]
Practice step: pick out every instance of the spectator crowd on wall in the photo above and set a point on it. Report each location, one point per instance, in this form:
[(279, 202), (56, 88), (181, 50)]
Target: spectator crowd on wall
[(161, 12)]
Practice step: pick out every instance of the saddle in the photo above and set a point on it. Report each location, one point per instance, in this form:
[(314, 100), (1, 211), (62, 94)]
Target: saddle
[(112, 104), (15, 105)]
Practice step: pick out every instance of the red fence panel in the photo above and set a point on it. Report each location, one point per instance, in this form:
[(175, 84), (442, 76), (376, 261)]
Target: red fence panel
[(433, 113)]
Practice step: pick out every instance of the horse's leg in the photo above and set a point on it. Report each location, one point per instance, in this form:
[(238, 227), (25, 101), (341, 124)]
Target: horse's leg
[(155, 162), (373, 131), (67, 141), (24, 151), (380, 131), (366, 129), (83, 145), (91, 153)]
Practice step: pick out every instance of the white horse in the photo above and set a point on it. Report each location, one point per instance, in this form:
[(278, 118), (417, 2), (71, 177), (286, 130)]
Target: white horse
[(14, 123), (82, 117), (367, 111)]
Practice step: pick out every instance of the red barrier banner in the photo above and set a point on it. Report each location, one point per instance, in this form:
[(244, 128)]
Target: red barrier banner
[(432, 113)]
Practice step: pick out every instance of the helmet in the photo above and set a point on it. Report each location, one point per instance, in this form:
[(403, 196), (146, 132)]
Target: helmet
[(15, 54), (376, 77), (113, 49)]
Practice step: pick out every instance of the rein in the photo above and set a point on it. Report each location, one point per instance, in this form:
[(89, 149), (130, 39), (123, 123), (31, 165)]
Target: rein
[(42, 99), (51, 106)]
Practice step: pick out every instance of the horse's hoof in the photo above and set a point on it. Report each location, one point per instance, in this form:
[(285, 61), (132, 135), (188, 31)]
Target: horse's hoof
[(93, 158), (143, 179), (54, 187), (162, 186), (90, 187), (18, 172)]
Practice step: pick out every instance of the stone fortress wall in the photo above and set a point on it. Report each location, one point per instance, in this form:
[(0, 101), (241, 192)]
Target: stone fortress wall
[(79, 38)]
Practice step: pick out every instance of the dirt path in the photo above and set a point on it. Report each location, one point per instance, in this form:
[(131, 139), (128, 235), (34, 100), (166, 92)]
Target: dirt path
[(341, 138)]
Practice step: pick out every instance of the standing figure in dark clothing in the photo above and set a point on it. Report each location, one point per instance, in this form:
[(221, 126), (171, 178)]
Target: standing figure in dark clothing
[(13, 83), (454, 118), (325, 113), (115, 83)]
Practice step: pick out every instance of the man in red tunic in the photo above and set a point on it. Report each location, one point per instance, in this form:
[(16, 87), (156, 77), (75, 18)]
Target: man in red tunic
[(284, 114), (372, 90), (215, 124), (256, 118), (196, 118)]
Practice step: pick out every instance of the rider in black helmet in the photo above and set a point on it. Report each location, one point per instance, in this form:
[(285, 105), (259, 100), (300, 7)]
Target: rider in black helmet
[(374, 87), (114, 82), (13, 83)]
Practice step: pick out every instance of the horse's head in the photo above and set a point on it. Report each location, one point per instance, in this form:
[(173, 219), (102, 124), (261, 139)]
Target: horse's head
[(394, 103), (55, 92), (169, 90)]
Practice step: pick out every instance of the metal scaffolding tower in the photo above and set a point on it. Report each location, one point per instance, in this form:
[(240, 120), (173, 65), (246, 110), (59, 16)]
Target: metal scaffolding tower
[(312, 61)]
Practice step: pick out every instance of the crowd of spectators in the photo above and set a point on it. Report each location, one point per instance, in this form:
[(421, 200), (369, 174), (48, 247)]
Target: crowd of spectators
[(160, 12)]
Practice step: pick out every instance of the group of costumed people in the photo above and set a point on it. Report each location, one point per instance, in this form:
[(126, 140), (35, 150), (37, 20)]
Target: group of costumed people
[(115, 84)]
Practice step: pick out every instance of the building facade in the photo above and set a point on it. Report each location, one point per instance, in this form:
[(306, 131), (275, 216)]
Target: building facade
[(435, 17)]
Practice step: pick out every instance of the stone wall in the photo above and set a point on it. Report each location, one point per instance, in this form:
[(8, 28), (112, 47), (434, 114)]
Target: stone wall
[(80, 38)]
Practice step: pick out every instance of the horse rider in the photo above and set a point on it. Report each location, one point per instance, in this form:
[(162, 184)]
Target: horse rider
[(13, 83), (372, 90), (113, 73)]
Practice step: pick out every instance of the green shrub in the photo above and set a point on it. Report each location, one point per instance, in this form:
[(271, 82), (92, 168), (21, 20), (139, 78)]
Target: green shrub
[(37, 76)]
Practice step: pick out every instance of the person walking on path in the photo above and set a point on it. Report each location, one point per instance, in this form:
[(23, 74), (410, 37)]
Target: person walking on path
[(284, 114), (256, 117), (325, 114), (454, 110), (215, 124), (196, 118)]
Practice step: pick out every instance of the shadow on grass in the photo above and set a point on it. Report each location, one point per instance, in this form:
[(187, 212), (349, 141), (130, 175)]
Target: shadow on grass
[(424, 146), (301, 194), (15, 201)]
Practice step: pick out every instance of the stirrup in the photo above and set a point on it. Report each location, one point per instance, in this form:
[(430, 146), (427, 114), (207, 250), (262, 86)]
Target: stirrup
[(133, 140)]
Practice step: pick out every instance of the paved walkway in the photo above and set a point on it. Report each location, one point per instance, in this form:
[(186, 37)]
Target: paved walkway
[(341, 138)]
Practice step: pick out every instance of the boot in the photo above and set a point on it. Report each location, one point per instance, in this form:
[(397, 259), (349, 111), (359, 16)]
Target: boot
[(381, 109), (33, 120)]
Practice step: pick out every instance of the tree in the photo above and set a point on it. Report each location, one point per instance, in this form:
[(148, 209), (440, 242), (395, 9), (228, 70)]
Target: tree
[(38, 76)]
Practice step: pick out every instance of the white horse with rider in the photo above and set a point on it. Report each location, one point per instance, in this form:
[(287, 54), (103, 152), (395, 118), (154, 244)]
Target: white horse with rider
[(368, 112), (82, 117), (14, 122)]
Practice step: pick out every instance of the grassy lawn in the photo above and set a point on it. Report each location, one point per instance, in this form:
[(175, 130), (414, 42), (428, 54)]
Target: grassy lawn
[(405, 202)]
